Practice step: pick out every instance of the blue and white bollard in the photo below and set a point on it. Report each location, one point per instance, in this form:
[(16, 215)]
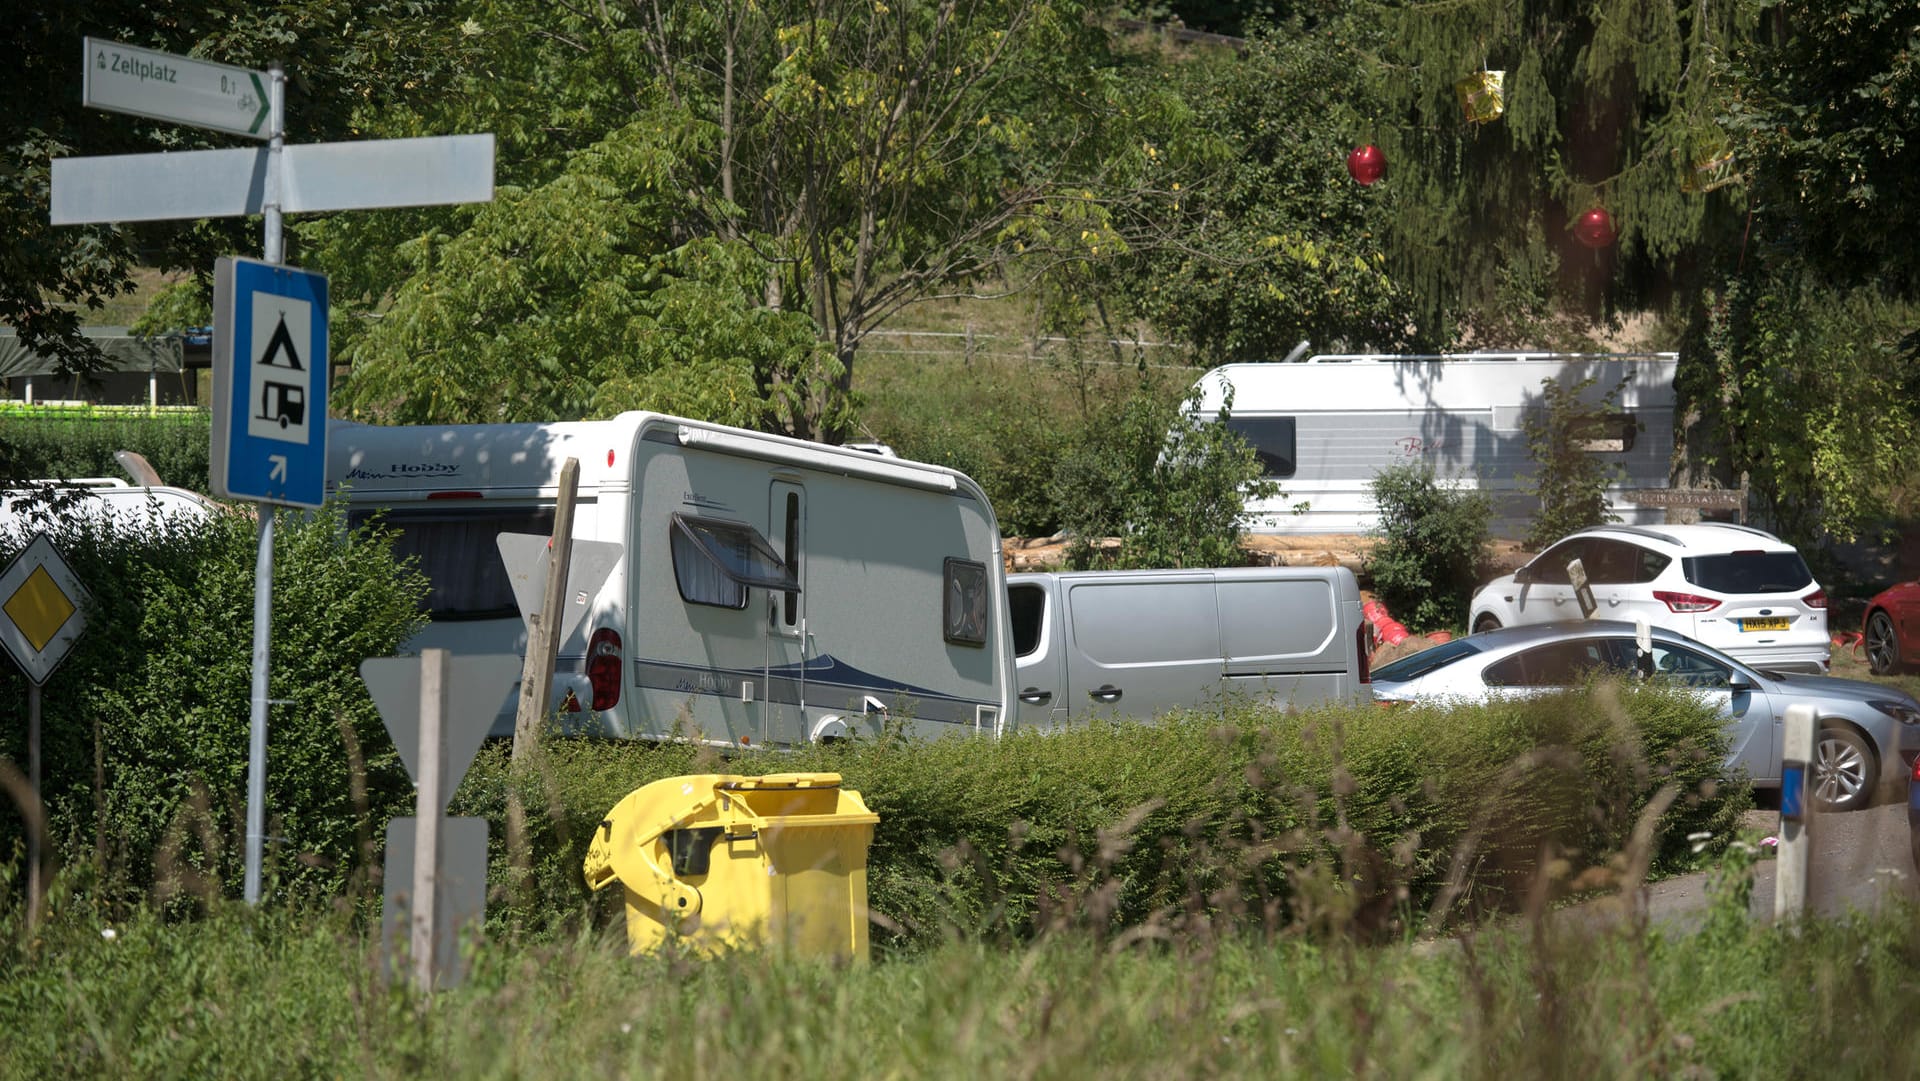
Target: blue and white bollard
[(1796, 807)]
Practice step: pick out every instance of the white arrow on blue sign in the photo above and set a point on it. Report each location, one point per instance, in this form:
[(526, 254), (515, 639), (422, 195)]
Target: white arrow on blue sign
[(269, 383)]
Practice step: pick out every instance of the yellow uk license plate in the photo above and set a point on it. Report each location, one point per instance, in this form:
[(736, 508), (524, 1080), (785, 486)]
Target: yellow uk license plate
[(1773, 623)]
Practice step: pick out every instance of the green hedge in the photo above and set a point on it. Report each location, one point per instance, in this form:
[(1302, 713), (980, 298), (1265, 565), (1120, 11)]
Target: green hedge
[(1353, 817), (49, 442), (1357, 818), (146, 724)]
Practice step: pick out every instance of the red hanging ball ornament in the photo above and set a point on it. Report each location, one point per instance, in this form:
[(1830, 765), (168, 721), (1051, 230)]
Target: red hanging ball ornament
[(1595, 228), (1366, 164)]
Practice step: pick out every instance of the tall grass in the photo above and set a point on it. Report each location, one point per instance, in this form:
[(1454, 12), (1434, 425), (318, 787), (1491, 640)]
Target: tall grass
[(245, 994), (1234, 892)]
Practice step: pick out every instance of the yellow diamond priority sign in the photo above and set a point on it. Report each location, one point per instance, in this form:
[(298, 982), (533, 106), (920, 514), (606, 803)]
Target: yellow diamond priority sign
[(42, 608)]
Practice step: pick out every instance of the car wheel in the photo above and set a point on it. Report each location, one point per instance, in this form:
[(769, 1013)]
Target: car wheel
[(1486, 623), (1883, 647), (1843, 770)]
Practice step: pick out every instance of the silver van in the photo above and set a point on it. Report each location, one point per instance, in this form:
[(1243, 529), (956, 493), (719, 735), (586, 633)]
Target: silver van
[(1135, 644)]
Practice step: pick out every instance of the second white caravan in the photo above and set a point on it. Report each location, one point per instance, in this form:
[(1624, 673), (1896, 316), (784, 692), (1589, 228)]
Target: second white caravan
[(771, 592), (1325, 428)]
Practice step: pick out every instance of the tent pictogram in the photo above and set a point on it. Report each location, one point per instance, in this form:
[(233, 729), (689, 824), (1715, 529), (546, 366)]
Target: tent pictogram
[(282, 342)]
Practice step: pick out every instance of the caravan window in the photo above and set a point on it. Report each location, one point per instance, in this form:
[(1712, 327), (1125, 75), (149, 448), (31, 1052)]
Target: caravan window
[(1272, 439), (963, 609), (458, 554), (715, 562)]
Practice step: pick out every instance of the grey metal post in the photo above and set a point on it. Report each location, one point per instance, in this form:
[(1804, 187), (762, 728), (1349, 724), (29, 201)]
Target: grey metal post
[(274, 252), (34, 885), (427, 808), (257, 730), (1796, 814)]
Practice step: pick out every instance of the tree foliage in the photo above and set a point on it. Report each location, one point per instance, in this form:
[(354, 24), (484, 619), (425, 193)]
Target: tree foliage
[(1569, 479), (345, 59), (827, 160), (1609, 104), (1172, 487), (1813, 400), (577, 298), (1274, 243), (1823, 132)]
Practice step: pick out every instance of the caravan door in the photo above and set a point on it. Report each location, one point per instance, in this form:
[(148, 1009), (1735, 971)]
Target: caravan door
[(786, 673)]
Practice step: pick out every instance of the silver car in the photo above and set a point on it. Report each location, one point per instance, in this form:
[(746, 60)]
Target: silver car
[(1868, 737)]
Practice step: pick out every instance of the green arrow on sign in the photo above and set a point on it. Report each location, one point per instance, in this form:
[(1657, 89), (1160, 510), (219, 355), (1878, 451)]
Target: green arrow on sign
[(259, 92), (183, 89)]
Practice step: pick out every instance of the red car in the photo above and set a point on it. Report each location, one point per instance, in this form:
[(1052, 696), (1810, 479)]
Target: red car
[(1891, 628)]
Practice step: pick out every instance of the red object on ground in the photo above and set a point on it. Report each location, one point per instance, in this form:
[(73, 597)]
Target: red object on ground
[(1373, 611), (1440, 637), (1393, 632), (1366, 165)]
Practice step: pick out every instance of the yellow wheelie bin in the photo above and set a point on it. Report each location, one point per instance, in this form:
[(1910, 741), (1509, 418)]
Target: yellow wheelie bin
[(723, 861)]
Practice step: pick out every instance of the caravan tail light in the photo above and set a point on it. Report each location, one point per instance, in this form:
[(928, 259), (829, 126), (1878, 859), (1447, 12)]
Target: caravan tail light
[(603, 668), (1360, 644), (1685, 602)]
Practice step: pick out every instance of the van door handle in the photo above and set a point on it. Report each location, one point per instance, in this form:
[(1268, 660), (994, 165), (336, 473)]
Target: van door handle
[(1107, 693), (1034, 696)]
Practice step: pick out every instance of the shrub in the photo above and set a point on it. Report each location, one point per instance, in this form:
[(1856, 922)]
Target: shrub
[(1433, 543), (146, 723)]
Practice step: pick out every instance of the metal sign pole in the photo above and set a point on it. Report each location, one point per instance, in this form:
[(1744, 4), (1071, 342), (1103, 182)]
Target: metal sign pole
[(274, 252), (34, 885)]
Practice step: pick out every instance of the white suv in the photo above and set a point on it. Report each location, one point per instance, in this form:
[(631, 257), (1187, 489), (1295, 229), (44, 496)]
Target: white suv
[(1743, 591)]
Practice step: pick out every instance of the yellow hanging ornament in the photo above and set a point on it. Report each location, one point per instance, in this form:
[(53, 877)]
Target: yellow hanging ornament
[(1482, 96)]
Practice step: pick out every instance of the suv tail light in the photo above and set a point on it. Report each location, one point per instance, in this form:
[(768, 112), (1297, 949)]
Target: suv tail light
[(1816, 599), (1685, 602), (1360, 644), (603, 668)]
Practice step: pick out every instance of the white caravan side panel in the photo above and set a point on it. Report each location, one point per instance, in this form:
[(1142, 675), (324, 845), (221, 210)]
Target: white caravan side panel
[(1327, 427)]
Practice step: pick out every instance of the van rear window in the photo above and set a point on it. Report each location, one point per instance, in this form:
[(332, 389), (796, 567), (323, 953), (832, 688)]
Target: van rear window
[(458, 553), (1027, 608), (1748, 572)]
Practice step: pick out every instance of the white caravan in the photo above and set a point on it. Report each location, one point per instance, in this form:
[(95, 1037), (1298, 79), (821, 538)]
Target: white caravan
[(772, 591), (1326, 426)]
